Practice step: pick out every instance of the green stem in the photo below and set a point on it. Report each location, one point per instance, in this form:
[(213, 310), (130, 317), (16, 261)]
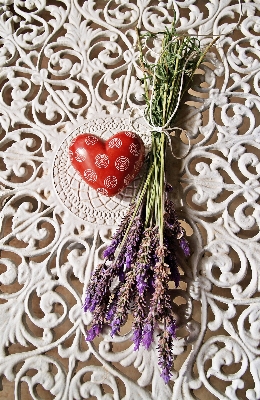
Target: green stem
[(150, 203), (173, 93), (139, 201), (162, 189), (188, 83), (174, 85), (155, 162), (144, 177), (142, 60), (165, 103)]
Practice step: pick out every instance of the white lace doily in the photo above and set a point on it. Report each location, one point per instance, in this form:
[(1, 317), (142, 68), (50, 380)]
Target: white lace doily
[(75, 194)]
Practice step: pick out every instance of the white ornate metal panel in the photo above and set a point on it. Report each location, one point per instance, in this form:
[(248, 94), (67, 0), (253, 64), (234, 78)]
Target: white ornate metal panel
[(66, 61)]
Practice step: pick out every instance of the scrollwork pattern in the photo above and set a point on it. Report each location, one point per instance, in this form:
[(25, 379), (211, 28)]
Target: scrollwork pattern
[(70, 61)]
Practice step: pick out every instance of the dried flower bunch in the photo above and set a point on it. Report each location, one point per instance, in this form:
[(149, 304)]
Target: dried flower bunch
[(143, 255)]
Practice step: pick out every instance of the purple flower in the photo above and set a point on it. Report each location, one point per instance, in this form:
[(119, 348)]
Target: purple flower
[(133, 242), (122, 301), (166, 375), (137, 338), (147, 336), (139, 313), (90, 303), (128, 258), (121, 265), (110, 250), (109, 314), (173, 229), (118, 236), (185, 246), (172, 329), (93, 332), (146, 259), (141, 284), (111, 311), (115, 325), (165, 345), (87, 303)]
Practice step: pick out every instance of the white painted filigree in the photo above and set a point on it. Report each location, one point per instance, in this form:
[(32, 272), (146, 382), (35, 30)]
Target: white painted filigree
[(64, 64)]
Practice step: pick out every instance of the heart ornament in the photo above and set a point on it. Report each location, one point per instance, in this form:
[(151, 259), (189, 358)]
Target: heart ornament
[(107, 166)]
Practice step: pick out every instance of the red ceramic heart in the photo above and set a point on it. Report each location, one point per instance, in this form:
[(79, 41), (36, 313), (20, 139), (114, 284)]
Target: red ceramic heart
[(107, 166)]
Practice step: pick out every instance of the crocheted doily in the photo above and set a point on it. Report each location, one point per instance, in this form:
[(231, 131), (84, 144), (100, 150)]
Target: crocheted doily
[(75, 194)]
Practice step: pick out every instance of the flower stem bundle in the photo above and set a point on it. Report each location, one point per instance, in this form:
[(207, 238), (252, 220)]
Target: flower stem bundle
[(143, 255)]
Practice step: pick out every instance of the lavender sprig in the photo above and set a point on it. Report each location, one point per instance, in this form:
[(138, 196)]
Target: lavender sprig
[(144, 261), (165, 345), (139, 314), (145, 251), (124, 299), (117, 238)]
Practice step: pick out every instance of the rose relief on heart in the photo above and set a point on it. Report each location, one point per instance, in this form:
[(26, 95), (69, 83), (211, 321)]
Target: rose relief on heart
[(107, 166)]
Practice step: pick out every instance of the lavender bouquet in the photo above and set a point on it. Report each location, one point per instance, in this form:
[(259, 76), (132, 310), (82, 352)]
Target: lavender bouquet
[(143, 255)]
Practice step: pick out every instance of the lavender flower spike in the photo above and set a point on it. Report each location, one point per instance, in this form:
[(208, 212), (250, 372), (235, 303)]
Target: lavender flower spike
[(185, 246), (115, 325), (166, 341), (166, 375), (137, 338), (93, 332), (110, 250), (147, 336), (118, 236)]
